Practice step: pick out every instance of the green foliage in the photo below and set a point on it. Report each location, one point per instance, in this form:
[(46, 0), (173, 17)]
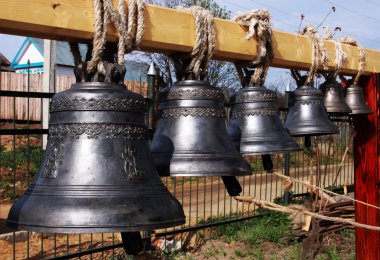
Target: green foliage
[(295, 254), (257, 253), (271, 227), (21, 157), (217, 11), (240, 253), (332, 252), (211, 251)]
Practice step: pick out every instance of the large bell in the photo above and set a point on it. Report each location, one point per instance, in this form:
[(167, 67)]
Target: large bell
[(333, 98), (307, 114), (191, 137), (97, 173), (255, 125), (355, 99)]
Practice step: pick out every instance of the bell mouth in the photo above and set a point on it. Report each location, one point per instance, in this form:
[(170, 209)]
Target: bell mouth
[(58, 214), (201, 164)]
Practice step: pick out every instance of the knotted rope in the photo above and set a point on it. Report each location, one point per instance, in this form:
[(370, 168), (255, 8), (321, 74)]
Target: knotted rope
[(105, 12), (340, 55), (196, 65), (298, 212), (362, 56), (258, 22), (319, 52), (307, 184)]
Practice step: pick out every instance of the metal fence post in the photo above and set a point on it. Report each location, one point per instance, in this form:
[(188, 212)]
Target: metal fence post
[(287, 155)]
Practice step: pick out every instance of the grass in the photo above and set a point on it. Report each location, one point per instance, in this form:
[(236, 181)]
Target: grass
[(17, 164), (272, 228)]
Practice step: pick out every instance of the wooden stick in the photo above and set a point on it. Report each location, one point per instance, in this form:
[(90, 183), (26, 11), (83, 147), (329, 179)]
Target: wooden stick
[(167, 30)]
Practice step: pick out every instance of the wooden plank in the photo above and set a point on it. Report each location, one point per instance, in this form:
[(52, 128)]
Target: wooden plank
[(367, 175), (167, 30)]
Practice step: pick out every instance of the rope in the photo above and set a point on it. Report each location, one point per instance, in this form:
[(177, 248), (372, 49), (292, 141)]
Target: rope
[(324, 190), (258, 22), (340, 55), (319, 52), (299, 212), (204, 48), (105, 12), (362, 56)]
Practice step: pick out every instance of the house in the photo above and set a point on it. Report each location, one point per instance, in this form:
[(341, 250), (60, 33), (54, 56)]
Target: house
[(32, 50), (4, 63)]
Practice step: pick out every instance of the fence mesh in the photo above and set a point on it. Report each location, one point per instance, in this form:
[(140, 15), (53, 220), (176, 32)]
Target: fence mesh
[(204, 199)]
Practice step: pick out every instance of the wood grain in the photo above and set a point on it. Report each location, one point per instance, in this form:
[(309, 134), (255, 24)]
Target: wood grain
[(367, 175), (167, 30)]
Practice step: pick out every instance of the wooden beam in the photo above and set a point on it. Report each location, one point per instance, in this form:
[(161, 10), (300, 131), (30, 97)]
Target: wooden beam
[(367, 172), (167, 30)]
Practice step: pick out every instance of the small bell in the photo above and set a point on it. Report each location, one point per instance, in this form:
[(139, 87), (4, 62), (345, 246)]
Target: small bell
[(355, 100), (255, 114), (333, 98), (191, 137), (307, 114), (97, 173)]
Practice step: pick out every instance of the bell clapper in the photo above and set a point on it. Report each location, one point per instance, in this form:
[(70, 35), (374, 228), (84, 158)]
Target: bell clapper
[(132, 242)]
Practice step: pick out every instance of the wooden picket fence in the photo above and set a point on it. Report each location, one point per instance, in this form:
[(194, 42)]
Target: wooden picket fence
[(23, 109)]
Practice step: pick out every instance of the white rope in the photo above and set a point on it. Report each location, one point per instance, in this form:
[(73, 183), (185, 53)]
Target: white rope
[(319, 52), (362, 56), (258, 22), (324, 190), (106, 12), (204, 47), (298, 212)]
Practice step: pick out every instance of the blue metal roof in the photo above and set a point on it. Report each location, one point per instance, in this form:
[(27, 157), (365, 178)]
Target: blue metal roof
[(136, 70)]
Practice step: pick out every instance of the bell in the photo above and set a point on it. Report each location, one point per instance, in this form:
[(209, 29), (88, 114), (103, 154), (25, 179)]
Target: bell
[(97, 173), (355, 99), (191, 137), (307, 114), (233, 126), (255, 114), (333, 98)]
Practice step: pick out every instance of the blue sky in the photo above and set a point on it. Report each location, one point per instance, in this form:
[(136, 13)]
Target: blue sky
[(359, 19)]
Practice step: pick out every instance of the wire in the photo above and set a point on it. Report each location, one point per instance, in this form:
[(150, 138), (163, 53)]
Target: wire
[(246, 9), (354, 12), (306, 19), (372, 2)]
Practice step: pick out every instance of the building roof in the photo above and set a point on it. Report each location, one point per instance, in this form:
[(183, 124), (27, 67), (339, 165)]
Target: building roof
[(136, 70), (64, 55), (4, 61)]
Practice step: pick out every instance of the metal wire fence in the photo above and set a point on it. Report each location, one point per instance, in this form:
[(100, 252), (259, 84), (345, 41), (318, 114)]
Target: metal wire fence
[(205, 201)]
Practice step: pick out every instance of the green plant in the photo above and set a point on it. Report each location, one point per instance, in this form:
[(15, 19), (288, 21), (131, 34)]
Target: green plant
[(211, 251), (222, 251), (295, 254), (23, 157), (257, 253), (240, 253), (332, 253)]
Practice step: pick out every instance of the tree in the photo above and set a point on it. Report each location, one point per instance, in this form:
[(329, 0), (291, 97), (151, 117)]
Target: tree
[(221, 73)]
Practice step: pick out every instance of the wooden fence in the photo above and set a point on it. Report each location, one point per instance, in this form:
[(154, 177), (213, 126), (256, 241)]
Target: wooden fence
[(23, 109)]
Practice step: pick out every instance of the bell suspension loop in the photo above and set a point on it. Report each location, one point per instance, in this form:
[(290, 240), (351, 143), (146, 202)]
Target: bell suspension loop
[(255, 125), (353, 92), (307, 115), (191, 137)]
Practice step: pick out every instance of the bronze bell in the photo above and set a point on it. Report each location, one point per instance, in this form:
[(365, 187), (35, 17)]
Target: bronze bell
[(307, 114), (97, 173), (355, 100), (256, 114), (191, 137), (333, 98)]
